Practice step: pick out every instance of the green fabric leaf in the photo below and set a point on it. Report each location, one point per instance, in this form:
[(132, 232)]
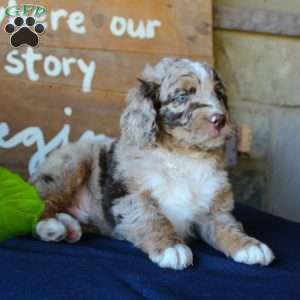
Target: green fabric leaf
[(20, 205)]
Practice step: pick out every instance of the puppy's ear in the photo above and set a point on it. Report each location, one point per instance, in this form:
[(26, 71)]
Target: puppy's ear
[(150, 90), (138, 122), (220, 90)]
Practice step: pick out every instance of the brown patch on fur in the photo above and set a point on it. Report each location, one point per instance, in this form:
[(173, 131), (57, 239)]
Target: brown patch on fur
[(143, 224), (147, 195), (59, 200), (223, 202), (53, 205), (132, 186), (162, 237), (186, 83), (230, 238)]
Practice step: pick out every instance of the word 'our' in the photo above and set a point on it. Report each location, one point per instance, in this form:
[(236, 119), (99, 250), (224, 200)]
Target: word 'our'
[(120, 26)]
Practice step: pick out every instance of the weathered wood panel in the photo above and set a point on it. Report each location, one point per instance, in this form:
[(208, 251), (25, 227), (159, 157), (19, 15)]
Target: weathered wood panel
[(161, 26), (256, 20), (286, 6), (115, 71), (47, 109), (98, 110)]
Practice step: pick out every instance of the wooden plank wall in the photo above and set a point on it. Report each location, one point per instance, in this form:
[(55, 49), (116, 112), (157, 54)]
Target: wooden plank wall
[(76, 80), (270, 17)]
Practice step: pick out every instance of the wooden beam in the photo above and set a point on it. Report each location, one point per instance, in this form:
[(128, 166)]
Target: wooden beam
[(256, 20), (185, 26)]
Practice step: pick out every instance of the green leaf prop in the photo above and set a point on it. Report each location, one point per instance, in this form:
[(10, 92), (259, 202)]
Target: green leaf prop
[(20, 205)]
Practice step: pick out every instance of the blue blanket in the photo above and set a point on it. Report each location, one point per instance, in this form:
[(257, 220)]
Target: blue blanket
[(101, 268)]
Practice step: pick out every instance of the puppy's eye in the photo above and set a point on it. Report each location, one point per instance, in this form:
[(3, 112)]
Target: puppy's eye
[(192, 90), (182, 97)]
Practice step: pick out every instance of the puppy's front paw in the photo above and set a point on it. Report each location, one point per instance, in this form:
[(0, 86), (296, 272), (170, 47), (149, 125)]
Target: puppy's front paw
[(50, 230), (178, 257), (73, 228), (255, 254)]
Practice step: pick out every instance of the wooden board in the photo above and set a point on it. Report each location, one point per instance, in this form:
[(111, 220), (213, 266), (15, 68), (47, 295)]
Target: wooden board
[(75, 83), (286, 6), (115, 70), (186, 25), (40, 110), (256, 20)]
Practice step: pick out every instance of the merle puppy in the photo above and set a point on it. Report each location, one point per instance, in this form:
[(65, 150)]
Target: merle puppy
[(162, 182)]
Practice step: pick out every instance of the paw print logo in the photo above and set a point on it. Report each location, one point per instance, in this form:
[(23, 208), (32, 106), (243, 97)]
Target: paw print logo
[(24, 32)]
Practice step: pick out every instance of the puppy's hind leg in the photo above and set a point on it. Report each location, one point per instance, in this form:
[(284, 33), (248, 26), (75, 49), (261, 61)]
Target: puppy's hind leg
[(59, 180), (62, 227), (140, 221)]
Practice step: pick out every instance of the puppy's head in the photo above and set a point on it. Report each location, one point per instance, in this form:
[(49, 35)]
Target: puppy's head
[(182, 100)]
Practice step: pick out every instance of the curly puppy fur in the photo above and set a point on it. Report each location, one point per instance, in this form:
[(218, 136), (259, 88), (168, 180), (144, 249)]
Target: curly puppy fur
[(162, 182)]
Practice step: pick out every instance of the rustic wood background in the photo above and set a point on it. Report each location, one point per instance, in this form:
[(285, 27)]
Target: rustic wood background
[(186, 30)]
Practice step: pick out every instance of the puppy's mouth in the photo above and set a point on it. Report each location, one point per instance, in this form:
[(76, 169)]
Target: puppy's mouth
[(218, 129), (222, 132)]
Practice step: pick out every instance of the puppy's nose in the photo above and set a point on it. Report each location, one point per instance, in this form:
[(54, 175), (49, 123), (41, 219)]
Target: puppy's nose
[(218, 121)]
